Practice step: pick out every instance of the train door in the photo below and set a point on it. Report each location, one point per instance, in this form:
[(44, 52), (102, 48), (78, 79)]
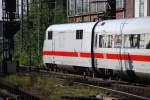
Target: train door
[(127, 62), (53, 47), (121, 51), (104, 49), (118, 51), (78, 46), (79, 38), (96, 50), (133, 44), (58, 45), (49, 45)]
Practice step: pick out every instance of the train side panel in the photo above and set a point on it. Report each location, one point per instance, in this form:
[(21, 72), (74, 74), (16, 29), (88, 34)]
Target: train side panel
[(47, 50), (67, 47), (125, 46), (119, 45)]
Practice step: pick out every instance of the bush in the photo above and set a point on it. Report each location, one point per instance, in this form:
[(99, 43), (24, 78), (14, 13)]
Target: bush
[(22, 57)]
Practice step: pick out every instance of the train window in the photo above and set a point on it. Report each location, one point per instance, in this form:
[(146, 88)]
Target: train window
[(117, 41), (140, 41), (126, 41), (147, 41), (110, 41), (105, 41), (96, 41), (148, 45), (79, 34), (100, 41), (50, 35), (134, 40), (103, 23)]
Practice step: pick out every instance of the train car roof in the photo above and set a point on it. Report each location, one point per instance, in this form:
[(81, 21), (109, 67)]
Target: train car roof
[(119, 26), (72, 26), (137, 26), (124, 26)]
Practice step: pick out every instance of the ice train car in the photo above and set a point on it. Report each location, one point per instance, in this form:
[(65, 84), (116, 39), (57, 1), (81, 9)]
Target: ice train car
[(109, 48)]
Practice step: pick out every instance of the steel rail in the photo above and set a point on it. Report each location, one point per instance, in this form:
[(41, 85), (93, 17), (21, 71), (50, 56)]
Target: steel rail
[(109, 89)]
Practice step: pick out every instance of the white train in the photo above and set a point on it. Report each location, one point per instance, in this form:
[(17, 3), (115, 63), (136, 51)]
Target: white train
[(109, 48)]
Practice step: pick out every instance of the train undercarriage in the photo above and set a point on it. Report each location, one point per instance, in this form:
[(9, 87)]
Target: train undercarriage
[(106, 74)]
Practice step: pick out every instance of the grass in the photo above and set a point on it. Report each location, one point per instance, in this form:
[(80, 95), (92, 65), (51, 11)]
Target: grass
[(50, 87)]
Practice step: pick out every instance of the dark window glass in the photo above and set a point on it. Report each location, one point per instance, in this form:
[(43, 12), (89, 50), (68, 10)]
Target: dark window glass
[(134, 40), (105, 41), (50, 35), (96, 41), (102, 23), (79, 34), (137, 41), (100, 41), (148, 45)]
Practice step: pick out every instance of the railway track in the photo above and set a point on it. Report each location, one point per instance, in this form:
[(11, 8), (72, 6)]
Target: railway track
[(119, 89), (8, 91)]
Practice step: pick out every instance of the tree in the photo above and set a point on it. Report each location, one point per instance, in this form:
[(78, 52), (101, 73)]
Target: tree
[(35, 25)]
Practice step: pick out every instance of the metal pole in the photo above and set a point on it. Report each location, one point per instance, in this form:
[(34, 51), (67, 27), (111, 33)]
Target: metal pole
[(68, 11), (28, 27), (22, 25), (39, 37), (124, 9), (3, 35), (90, 9), (82, 11), (55, 12), (75, 9), (38, 2)]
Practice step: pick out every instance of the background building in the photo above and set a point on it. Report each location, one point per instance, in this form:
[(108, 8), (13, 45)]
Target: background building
[(90, 10), (1, 31), (142, 8), (0, 9)]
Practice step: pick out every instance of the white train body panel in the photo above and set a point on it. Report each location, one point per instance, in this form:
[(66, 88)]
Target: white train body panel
[(122, 45), (64, 42), (124, 28)]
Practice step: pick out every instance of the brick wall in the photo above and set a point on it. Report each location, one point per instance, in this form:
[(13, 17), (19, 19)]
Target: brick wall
[(148, 7), (129, 13), (85, 18), (129, 10)]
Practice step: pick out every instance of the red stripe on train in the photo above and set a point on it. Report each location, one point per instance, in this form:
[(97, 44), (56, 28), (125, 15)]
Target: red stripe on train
[(99, 55), (60, 53)]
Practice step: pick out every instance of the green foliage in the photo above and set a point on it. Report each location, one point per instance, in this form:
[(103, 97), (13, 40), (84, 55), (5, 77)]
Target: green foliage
[(18, 80), (31, 41), (22, 57), (59, 15), (52, 88), (1, 57)]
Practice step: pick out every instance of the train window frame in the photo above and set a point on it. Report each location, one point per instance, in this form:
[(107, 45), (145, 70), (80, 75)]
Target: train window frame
[(118, 41), (147, 41), (135, 40), (140, 41), (148, 45), (110, 41), (79, 34), (50, 35)]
